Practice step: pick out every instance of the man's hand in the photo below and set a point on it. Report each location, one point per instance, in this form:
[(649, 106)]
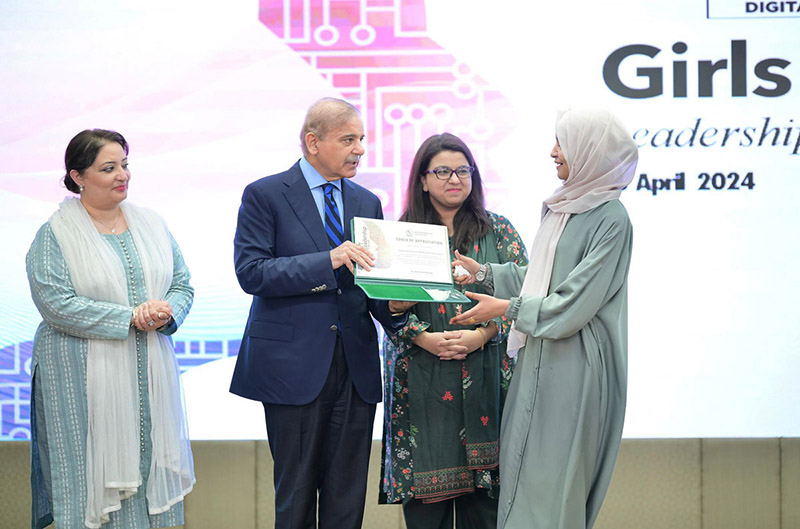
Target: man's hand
[(348, 253), (396, 307)]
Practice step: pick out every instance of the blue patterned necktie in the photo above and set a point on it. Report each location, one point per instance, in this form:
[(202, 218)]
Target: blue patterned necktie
[(333, 222)]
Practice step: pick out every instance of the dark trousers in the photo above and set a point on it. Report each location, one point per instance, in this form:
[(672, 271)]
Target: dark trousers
[(321, 450), (472, 511)]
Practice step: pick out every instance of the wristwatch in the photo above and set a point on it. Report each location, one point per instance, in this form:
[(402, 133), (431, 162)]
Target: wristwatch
[(480, 275)]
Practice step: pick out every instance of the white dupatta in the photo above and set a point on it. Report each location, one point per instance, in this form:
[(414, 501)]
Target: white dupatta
[(112, 443), (602, 157)]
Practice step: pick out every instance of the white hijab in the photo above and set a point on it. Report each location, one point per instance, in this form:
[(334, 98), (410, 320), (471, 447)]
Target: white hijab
[(112, 443), (602, 157)]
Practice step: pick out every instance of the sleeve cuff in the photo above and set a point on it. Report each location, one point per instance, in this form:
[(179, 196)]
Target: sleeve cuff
[(412, 328), (168, 328), (399, 321), (513, 308)]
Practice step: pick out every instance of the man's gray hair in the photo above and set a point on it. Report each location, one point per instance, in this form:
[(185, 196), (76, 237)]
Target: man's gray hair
[(324, 115)]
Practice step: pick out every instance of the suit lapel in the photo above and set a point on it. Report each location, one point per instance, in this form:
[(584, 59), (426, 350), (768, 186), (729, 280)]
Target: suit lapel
[(298, 195), (352, 206)]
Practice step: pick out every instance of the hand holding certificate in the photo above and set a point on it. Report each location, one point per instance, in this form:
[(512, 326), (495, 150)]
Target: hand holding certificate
[(412, 261)]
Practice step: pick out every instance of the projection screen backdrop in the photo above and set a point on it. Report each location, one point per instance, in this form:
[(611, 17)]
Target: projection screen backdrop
[(211, 96)]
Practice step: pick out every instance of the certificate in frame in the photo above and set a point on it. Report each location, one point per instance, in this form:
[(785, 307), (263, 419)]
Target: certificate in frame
[(412, 261)]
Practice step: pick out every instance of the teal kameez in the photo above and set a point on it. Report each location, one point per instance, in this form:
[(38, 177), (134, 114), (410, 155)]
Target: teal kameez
[(59, 414), (441, 418)]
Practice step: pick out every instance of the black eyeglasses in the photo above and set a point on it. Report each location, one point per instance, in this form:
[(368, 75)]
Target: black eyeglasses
[(444, 173)]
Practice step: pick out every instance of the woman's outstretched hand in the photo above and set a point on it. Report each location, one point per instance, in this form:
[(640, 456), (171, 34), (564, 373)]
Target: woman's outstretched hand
[(471, 266), (488, 308)]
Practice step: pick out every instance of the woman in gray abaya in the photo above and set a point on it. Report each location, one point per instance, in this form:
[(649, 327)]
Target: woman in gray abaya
[(563, 419)]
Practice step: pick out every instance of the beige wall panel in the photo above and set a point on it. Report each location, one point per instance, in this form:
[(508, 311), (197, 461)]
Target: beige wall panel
[(746, 484), (265, 489), (790, 483), (15, 491), (225, 493), (741, 483), (656, 485)]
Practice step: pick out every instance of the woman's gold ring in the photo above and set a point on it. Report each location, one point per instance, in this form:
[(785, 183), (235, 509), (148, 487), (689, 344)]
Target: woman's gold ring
[(472, 320)]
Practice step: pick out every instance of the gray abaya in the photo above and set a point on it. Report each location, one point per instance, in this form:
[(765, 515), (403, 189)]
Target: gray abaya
[(562, 425)]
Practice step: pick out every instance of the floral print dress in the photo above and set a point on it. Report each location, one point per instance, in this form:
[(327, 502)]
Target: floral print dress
[(442, 418)]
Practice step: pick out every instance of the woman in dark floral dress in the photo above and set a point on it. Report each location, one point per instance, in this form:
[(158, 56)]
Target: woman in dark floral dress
[(445, 384)]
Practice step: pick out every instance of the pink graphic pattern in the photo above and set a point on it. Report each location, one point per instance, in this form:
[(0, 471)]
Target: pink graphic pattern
[(379, 56)]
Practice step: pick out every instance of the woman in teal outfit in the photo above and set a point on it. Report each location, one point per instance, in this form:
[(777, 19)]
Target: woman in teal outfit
[(445, 384), (110, 445), (562, 424)]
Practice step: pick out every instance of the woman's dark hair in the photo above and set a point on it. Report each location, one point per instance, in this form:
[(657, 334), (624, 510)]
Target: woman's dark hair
[(82, 152), (471, 221)]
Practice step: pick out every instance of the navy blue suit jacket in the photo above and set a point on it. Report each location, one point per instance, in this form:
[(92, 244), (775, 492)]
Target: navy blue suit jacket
[(282, 258)]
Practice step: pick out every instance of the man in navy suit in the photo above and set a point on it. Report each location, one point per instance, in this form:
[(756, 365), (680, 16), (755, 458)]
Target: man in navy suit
[(310, 349)]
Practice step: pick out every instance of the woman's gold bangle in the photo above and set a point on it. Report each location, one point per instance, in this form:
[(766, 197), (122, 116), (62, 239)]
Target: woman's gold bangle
[(483, 336)]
